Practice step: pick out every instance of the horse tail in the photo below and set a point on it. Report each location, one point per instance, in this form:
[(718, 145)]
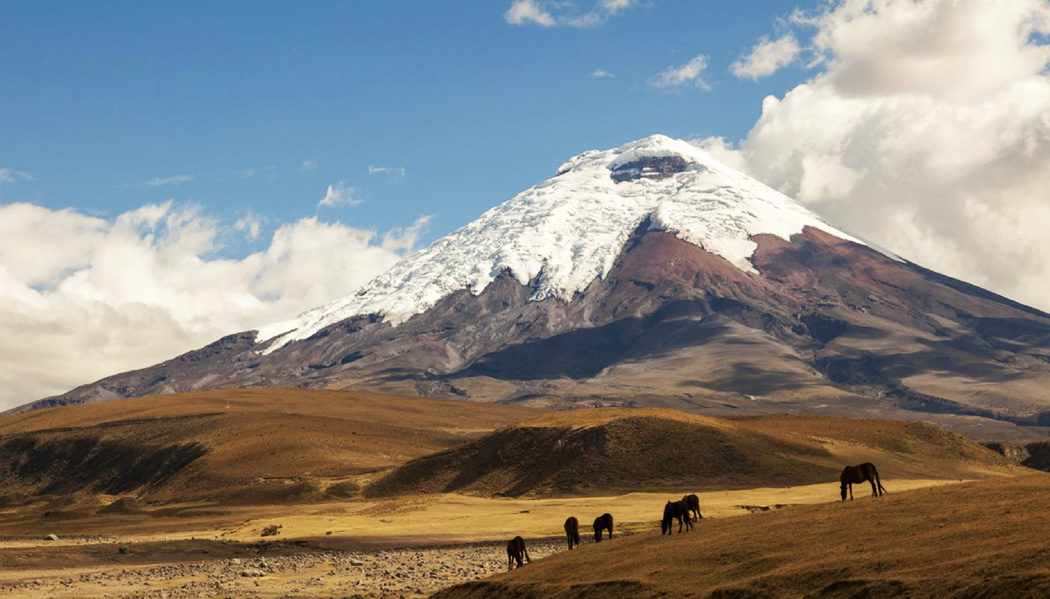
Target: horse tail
[(878, 482)]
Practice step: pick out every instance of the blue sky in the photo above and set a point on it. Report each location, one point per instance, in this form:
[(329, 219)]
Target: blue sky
[(100, 98), (174, 172)]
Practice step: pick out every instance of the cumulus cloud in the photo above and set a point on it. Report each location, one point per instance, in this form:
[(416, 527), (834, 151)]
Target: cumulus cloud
[(339, 194), (173, 180), (553, 13), (767, 57), (308, 166), (688, 74), (601, 74), (927, 130), (10, 175), (124, 293)]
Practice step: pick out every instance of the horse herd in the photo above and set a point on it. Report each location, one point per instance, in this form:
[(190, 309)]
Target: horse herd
[(685, 511), (516, 547)]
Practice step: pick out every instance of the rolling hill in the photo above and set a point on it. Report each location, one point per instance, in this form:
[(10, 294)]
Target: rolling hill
[(611, 451), (239, 446), (978, 539)]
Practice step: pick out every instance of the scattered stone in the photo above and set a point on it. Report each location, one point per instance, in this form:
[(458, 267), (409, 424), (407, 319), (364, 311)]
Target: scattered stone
[(51, 537), (123, 550)]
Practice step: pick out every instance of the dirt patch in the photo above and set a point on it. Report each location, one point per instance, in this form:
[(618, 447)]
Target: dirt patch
[(124, 505)]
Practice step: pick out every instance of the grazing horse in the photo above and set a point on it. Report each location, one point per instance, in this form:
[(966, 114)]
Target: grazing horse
[(694, 505), (572, 531), (675, 510), (858, 474), (603, 522), (515, 551)]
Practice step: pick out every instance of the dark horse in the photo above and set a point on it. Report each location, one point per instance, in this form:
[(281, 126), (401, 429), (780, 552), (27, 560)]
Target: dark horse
[(515, 551), (603, 522), (694, 505), (675, 510), (858, 474), (572, 531)]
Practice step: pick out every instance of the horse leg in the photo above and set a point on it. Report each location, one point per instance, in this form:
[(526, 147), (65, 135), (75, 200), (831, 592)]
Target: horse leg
[(527, 558), (851, 491), (879, 482), (874, 489)]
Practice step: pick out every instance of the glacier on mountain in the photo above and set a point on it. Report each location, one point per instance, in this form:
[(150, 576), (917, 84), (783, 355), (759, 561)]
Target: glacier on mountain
[(568, 230)]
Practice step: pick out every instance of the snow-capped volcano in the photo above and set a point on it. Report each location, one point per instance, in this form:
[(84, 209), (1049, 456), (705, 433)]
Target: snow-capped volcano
[(650, 274), (567, 230)]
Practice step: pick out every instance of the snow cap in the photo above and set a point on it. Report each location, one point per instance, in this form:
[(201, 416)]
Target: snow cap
[(563, 233)]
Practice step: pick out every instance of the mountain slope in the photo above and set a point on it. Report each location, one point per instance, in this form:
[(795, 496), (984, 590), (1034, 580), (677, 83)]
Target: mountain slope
[(652, 275)]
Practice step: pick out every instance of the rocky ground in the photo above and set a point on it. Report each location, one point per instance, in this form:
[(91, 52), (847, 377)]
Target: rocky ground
[(408, 573)]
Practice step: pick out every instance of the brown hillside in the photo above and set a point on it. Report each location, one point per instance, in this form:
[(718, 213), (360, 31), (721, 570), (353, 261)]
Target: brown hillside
[(608, 451), (982, 539), (252, 445)]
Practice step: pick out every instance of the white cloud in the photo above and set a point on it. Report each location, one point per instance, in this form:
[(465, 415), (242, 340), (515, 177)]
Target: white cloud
[(926, 130), (688, 74), (601, 74), (10, 175), (246, 173), (553, 13), (522, 12), (339, 194), (404, 239), (386, 170), (724, 152), (162, 181), (120, 294), (308, 165), (767, 57), (250, 224), (614, 6)]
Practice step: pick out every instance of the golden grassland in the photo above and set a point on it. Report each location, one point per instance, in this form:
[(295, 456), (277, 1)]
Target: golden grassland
[(307, 460)]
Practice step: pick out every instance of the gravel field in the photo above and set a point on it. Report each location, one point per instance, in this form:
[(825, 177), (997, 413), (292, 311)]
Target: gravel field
[(410, 572)]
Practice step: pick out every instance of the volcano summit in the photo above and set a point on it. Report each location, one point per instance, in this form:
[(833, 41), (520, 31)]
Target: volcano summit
[(650, 274)]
